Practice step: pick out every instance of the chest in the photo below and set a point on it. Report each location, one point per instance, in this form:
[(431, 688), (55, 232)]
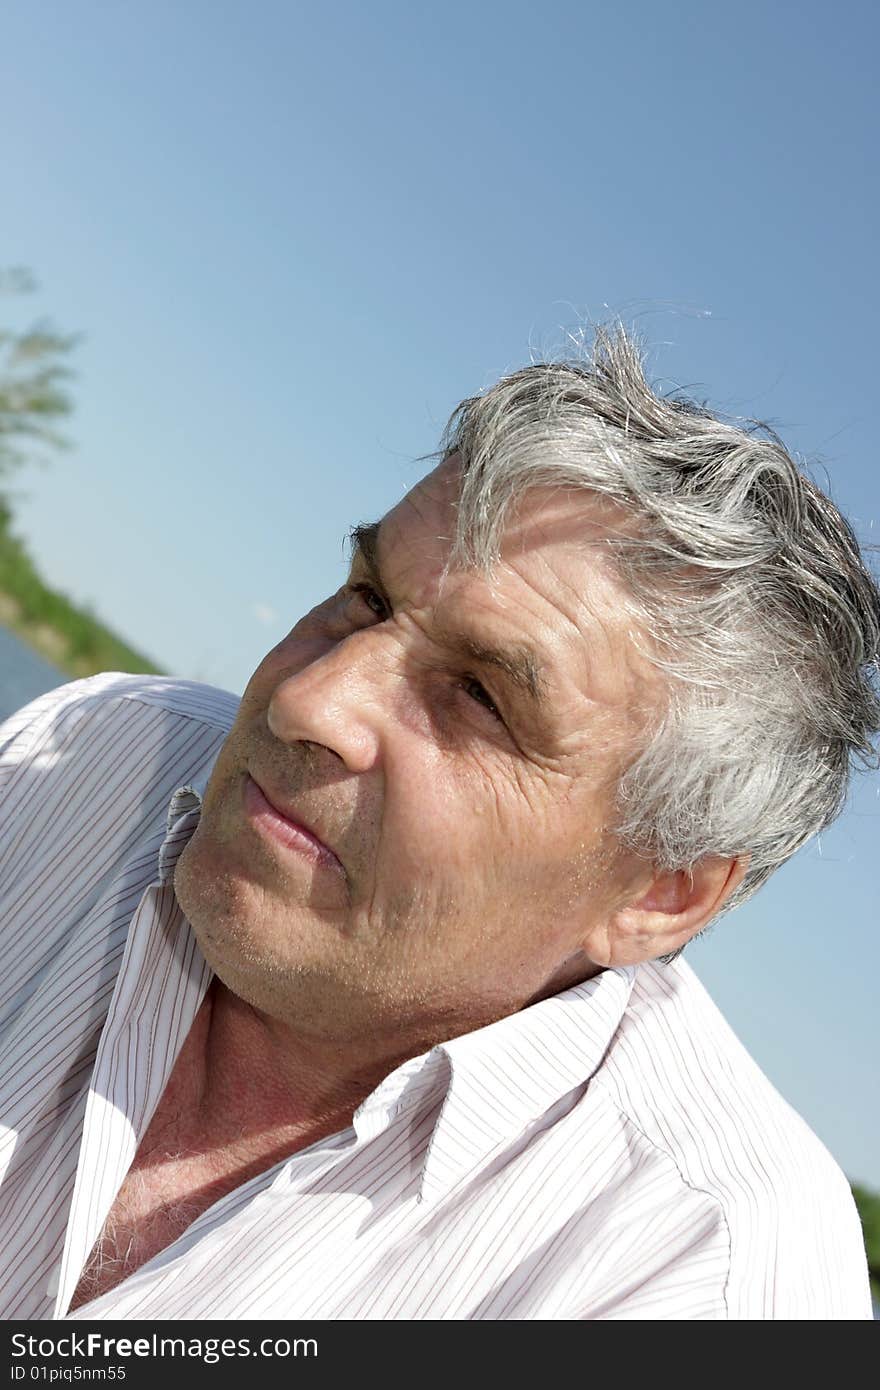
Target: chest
[(159, 1199), (180, 1170), (177, 1172)]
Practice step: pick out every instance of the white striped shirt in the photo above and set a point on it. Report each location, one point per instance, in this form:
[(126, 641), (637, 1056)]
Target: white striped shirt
[(611, 1152)]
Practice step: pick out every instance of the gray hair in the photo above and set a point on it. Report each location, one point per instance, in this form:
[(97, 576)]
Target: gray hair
[(748, 582)]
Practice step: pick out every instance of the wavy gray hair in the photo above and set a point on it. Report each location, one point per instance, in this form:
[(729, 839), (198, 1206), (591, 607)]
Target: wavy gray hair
[(759, 608)]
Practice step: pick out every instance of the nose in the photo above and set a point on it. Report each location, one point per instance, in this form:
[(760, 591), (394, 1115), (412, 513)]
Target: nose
[(340, 700)]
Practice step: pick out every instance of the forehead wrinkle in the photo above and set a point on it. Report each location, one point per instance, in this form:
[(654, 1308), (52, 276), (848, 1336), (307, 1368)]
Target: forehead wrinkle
[(525, 666), (519, 662)]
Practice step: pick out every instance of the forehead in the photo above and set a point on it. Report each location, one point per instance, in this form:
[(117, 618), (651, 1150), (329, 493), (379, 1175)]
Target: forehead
[(555, 588), (544, 521)]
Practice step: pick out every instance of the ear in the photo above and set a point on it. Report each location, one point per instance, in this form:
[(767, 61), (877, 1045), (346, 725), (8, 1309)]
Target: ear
[(674, 906)]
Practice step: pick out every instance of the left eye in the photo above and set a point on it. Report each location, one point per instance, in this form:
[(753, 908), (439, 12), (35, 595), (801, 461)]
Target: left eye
[(373, 600), (480, 694)]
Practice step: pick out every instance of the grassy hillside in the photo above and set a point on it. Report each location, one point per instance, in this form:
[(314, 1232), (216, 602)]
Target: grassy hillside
[(70, 637)]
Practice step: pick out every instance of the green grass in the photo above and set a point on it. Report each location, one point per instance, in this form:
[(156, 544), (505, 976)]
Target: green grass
[(71, 637)]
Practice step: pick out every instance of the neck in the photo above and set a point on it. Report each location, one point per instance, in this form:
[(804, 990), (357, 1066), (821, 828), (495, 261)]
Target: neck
[(253, 1078)]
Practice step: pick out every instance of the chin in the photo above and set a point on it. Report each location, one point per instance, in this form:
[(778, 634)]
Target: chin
[(258, 958)]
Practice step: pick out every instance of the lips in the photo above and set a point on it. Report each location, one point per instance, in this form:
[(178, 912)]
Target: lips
[(286, 824)]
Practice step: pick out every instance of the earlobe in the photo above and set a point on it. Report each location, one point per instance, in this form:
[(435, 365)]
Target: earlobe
[(676, 905)]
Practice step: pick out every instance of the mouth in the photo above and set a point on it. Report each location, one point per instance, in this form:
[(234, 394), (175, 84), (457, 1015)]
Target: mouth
[(285, 828)]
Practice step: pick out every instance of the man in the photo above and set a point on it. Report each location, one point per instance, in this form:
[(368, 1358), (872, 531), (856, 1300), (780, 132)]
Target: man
[(360, 998)]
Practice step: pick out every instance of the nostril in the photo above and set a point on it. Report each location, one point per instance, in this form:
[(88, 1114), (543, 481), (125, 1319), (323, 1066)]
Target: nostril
[(312, 749)]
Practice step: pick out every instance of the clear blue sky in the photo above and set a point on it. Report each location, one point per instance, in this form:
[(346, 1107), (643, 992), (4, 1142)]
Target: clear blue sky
[(295, 236)]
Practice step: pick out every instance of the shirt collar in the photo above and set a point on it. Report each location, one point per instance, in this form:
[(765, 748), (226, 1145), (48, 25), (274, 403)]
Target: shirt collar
[(184, 811), (503, 1077), (491, 1083)]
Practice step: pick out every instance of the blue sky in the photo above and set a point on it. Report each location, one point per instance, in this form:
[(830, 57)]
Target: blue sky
[(294, 237)]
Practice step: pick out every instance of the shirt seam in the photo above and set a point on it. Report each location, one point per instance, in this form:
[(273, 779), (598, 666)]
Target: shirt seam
[(701, 1191), (148, 698)]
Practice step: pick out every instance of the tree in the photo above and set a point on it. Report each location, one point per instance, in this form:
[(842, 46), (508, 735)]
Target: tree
[(868, 1204), (32, 400), (32, 395)]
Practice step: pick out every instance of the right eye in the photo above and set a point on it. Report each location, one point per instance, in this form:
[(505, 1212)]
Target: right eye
[(373, 600)]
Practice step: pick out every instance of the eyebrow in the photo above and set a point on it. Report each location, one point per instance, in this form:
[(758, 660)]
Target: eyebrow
[(364, 540), (519, 663)]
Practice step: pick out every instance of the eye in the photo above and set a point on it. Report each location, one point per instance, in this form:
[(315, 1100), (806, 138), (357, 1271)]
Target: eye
[(480, 694), (373, 600)]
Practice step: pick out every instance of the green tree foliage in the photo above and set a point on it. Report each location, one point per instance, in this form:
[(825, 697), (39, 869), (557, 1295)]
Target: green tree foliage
[(32, 394), (33, 397), (868, 1204)]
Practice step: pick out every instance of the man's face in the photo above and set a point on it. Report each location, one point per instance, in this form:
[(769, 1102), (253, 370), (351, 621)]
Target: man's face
[(457, 747)]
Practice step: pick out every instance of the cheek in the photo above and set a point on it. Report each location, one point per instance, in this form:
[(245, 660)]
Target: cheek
[(227, 772), (452, 820)]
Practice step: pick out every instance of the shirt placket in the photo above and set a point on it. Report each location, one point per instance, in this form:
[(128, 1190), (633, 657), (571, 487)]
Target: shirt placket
[(125, 1088)]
